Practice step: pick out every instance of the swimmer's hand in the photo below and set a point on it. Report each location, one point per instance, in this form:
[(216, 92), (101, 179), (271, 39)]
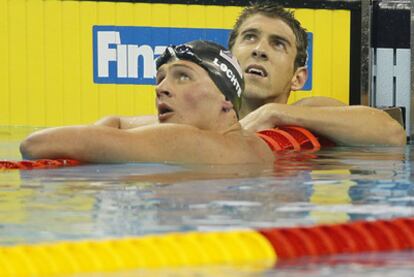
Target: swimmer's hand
[(272, 115), (265, 117)]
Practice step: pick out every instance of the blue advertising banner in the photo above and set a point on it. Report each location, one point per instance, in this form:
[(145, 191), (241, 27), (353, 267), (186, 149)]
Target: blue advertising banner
[(126, 54)]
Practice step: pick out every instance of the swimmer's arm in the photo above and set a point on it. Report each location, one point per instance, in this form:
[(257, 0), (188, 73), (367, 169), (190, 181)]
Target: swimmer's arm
[(346, 125), (159, 143), (127, 122)]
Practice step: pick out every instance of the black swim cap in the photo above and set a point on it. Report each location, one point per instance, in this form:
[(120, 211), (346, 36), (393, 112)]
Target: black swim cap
[(220, 64)]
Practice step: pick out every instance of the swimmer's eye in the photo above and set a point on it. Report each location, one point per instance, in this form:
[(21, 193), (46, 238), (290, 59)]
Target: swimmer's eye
[(182, 76), (279, 44), (249, 36)]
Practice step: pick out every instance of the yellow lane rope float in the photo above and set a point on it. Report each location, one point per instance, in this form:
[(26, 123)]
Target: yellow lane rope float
[(262, 247), (148, 252)]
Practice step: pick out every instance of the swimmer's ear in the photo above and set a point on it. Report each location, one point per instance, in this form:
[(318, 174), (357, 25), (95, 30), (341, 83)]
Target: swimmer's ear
[(227, 106), (299, 78)]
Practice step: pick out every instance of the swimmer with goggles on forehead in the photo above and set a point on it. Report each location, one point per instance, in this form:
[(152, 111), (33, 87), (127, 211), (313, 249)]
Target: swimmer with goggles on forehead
[(220, 65), (198, 92)]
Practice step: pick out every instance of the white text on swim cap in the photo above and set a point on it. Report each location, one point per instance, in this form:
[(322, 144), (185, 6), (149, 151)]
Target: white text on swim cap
[(229, 74), (228, 56)]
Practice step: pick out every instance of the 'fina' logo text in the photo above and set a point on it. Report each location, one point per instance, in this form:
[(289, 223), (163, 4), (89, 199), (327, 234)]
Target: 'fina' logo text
[(126, 55)]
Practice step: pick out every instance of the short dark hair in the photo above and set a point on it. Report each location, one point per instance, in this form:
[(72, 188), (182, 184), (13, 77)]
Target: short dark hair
[(273, 10)]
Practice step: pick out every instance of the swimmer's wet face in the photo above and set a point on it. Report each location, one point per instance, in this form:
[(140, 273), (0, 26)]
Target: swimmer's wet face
[(266, 48), (223, 69), (187, 95)]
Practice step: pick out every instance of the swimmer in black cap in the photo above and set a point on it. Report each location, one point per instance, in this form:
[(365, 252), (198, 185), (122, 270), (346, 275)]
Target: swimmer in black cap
[(219, 63), (198, 86), (189, 61)]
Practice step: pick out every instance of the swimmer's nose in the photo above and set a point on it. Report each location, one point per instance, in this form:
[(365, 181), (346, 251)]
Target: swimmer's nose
[(161, 93), (257, 53), (260, 50), (162, 90)]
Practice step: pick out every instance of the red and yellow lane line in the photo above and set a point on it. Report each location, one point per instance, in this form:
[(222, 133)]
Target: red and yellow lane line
[(261, 248), (355, 237), (37, 164), (149, 252)]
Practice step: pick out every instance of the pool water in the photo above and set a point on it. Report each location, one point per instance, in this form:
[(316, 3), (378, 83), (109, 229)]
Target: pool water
[(334, 185)]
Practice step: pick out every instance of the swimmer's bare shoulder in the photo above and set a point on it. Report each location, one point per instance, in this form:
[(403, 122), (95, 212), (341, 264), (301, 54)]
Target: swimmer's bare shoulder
[(188, 144), (254, 149), (260, 148), (127, 122)]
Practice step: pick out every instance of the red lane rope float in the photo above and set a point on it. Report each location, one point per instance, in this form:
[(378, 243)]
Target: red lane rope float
[(284, 139), (305, 138), (293, 138), (355, 237), (38, 164), (273, 144)]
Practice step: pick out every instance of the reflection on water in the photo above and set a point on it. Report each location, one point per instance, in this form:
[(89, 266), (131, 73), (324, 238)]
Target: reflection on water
[(372, 265), (95, 201)]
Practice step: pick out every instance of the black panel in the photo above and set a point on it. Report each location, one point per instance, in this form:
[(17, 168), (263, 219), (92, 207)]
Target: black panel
[(315, 4), (391, 28)]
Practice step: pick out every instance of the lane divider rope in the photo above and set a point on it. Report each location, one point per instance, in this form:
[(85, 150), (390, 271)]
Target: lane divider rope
[(261, 248), (293, 138), (148, 252), (37, 164)]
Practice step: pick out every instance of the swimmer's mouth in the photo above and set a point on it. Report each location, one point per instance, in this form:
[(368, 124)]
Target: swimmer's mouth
[(256, 70), (164, 112)]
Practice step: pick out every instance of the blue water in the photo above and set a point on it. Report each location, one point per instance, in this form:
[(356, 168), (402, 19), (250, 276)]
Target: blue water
[(100, 201)]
